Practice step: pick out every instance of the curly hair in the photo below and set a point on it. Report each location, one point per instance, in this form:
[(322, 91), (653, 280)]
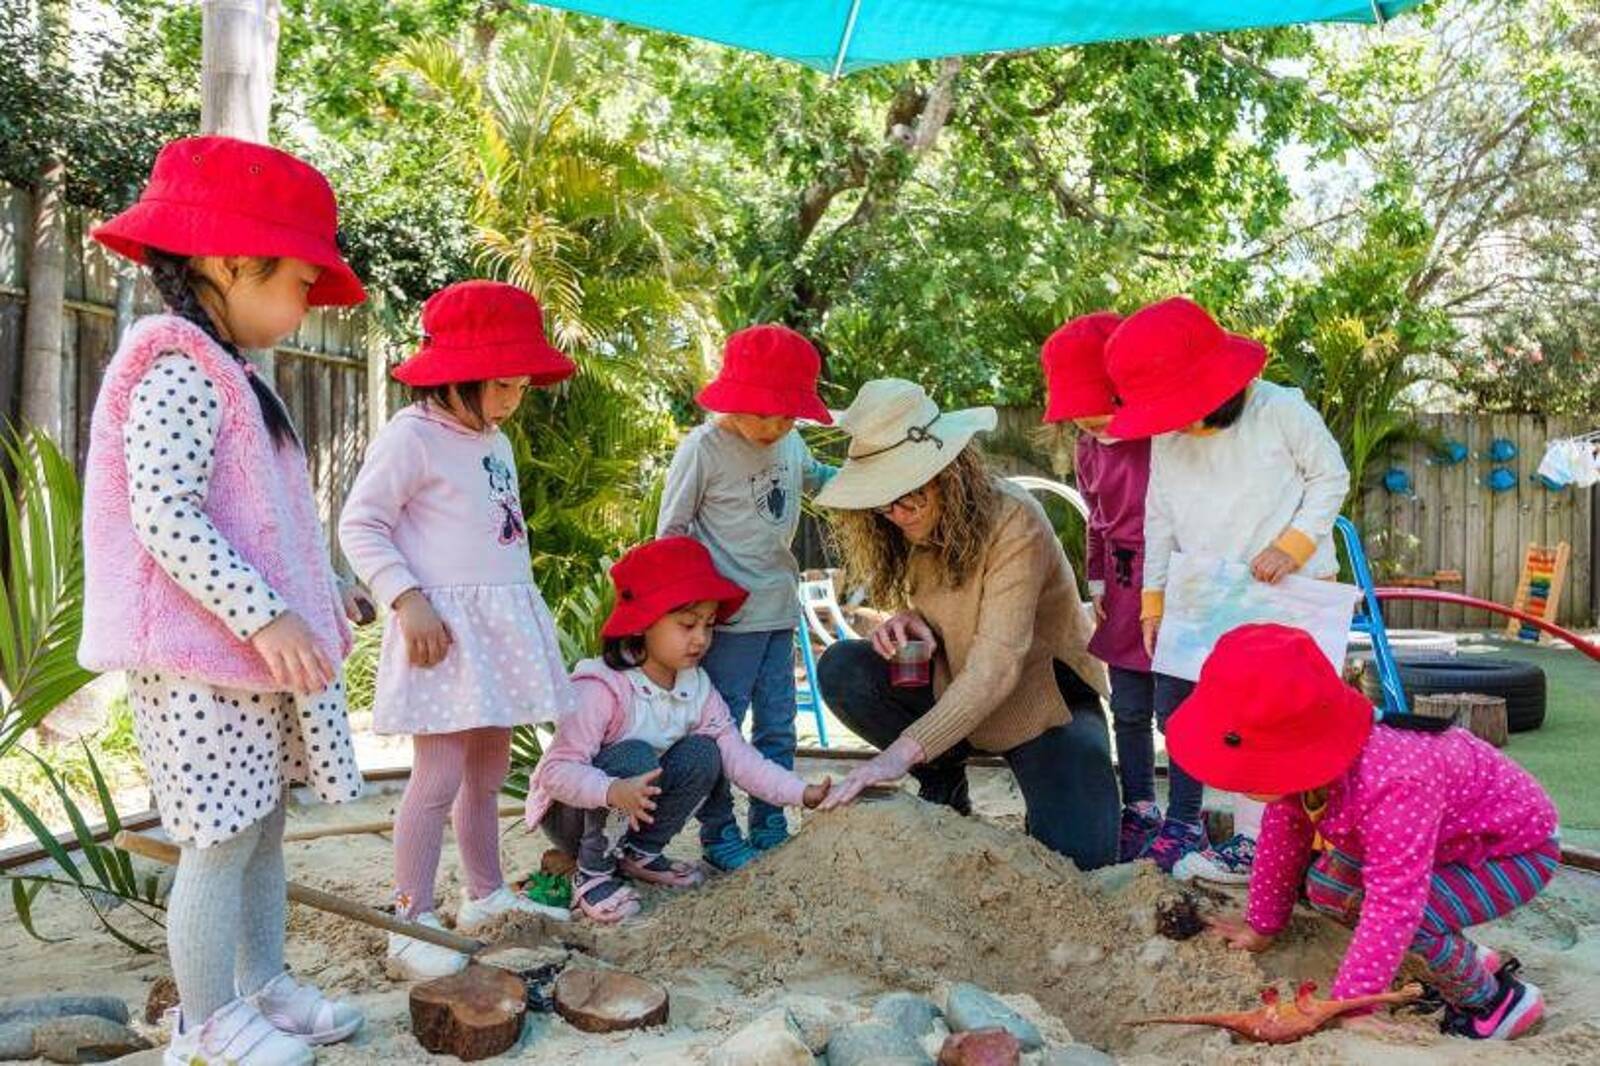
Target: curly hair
[(878, 556)]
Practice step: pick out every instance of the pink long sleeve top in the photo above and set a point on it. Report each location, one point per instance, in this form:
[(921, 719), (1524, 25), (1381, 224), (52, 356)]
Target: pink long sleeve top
[(616, 705), (1411, 802)]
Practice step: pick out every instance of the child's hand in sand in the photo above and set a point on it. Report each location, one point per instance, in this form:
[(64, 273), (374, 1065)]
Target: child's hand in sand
[(1237, 933), (816, 793), (635, 797)]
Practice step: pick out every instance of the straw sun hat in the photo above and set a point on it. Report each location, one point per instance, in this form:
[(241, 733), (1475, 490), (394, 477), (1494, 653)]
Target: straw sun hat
[(899, 441)]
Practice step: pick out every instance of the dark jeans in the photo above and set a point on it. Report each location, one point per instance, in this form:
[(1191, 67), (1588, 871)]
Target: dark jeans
[(1065, 774), (1133, 716), (1184, 793), (688, 770)]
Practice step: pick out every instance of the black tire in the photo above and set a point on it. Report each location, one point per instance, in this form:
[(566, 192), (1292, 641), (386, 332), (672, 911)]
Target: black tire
[(1520, 684)]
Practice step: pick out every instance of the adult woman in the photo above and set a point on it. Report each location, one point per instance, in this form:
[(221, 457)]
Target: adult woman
[(976, 570)]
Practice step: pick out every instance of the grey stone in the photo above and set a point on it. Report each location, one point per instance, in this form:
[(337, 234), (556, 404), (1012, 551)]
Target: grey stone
[(875, 1044), (1076, 1055), (85, 1038), (1113, 879), (39, 1008), (1156, 953), (910, 1013), (970, 1007), (16, 1040), (1071, 953), (149, 1057), (771, 1040), (819, 1016)]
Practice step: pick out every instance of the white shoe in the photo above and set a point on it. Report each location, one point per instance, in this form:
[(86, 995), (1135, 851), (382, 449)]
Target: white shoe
[(411, 959), (302, 1011), (477, 913), (235, 1035)]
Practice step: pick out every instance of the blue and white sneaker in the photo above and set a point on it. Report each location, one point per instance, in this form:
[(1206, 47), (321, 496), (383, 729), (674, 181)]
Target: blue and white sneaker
[(1173, 842), (1227, 863)]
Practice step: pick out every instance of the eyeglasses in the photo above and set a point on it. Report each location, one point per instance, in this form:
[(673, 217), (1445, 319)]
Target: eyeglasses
[(913, 501)]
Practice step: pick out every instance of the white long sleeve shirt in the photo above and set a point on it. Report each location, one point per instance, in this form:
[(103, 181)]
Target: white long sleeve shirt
[(1274, 478)]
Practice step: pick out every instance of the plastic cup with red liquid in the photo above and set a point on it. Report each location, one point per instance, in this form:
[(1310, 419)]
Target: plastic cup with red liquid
[(912, 664)]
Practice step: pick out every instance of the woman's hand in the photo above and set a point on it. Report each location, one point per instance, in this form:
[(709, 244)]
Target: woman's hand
[(292, 656), (635, 797), (900, 628), (358, 606), (1237, 933), (816, 793), (889, 764), (1150, 627), (1272, 565), (427, 637)]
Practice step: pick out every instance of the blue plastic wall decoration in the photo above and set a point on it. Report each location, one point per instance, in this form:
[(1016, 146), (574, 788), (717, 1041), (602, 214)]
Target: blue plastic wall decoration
[(1450, 453), (1501, 450), (1397, 482), (1501, 479)]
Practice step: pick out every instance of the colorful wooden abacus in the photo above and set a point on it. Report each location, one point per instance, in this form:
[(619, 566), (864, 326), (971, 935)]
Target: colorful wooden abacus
[(1544, 572)]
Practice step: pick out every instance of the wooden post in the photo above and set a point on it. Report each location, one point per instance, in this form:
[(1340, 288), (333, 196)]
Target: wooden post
[(1484, 716), (377, 370), (44, 390), (238, 63)]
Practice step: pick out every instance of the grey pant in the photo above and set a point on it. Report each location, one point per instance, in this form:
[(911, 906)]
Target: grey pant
[(689, 769)]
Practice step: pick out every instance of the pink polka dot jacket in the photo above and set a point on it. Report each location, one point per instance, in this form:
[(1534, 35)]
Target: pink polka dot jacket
[(1411, 802)]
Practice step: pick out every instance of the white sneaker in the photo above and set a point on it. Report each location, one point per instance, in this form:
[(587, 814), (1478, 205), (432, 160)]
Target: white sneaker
[(477, 913), (302, 1011), (411, 959), (235, 1035)]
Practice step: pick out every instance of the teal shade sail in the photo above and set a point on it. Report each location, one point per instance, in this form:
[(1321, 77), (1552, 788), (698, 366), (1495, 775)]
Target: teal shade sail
[(838, 36)]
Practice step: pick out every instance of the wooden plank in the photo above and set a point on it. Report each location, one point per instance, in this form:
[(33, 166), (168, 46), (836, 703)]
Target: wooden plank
[(1583, 568), (99, 270), (16, 220), (1506, 549), (96, 344), (12, 309), (1476, 517), (1425, 476), (1534, 500), (73, 254)]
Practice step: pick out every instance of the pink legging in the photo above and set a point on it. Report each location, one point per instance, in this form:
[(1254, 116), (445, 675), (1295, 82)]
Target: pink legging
[(465, 770)]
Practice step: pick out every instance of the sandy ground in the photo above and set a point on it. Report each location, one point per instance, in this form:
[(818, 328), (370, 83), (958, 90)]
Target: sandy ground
[(891, 894)]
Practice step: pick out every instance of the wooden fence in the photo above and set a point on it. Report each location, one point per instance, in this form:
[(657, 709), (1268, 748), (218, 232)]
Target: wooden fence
[(322, 372)]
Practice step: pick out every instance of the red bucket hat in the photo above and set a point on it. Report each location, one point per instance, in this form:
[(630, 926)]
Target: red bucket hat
[(1172, 365), (1269, 715), (478, 330), (768, 370), (221, 196), (1073, 359), (662, 575)]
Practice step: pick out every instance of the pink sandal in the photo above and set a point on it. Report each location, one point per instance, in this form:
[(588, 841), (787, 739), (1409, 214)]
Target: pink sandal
[(623, 902), (660, 870)]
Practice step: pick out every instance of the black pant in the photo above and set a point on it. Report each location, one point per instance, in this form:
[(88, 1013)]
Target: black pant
[(1065, 773)]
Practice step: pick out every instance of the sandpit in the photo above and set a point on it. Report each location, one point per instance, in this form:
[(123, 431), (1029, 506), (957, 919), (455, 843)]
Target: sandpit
[(889, 895)]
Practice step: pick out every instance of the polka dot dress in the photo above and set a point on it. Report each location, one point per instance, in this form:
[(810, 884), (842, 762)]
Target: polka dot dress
[(218, 759)]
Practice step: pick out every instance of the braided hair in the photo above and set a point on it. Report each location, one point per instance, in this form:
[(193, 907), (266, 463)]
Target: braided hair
[(178, 283)]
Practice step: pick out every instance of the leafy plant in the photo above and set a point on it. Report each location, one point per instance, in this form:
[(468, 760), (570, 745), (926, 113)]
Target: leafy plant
[(110, 879), (41, 585)]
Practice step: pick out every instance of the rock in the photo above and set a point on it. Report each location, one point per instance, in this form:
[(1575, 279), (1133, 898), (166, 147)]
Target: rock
[(474, 1014), (970, 1007), (163, 996), (1143, 920), (980, 1047), (605, 1001), (16, 1040), (38, 1008), (910, 1013), (817, 1017), (1155, 953), (875, 1044), (1070, 953), (1113, 879), (771, 1040), (1076, 1055), (85, 1038), (155, 1056)]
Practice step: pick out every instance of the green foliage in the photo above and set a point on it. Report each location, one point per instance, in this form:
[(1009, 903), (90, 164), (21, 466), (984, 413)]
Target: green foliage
[(41, 586), (1533, 360)]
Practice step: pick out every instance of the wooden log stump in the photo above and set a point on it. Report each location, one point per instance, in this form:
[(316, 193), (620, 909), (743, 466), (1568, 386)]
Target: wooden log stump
[(472, 1015), (605, 1001), (1484, 716)]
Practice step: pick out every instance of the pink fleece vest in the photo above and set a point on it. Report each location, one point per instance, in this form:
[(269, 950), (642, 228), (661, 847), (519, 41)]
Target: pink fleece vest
[(259, 498)]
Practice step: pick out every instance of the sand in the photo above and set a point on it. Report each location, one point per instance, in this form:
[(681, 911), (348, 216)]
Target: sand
[(892, 894)]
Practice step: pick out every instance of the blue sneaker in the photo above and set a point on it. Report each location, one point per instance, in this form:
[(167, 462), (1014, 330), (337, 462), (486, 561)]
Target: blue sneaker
[(730, 850), (1173, 842), (1227, 863), (772, 830), (1140, 824)]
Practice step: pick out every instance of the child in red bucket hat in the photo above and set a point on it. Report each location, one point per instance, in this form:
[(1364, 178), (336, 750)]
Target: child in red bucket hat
[(1240, 469), (207, 578), (434, 525), (1429, 832), (1113, 476), (735, 485), (650, 738)]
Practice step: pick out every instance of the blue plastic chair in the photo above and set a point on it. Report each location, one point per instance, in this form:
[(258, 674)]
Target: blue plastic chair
[(807, 697), (1369, 620)]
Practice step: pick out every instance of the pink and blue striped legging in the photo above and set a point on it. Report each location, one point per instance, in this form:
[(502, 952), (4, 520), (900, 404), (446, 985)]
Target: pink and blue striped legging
[(1459, 896), (458, 775)]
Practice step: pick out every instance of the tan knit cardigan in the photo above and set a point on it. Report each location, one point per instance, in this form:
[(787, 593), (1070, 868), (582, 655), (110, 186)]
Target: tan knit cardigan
[(999, 633)]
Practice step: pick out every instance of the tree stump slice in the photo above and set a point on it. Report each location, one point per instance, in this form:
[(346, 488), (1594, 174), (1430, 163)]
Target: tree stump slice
[(605, 1001), (1485, 716), (472, 1015)]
